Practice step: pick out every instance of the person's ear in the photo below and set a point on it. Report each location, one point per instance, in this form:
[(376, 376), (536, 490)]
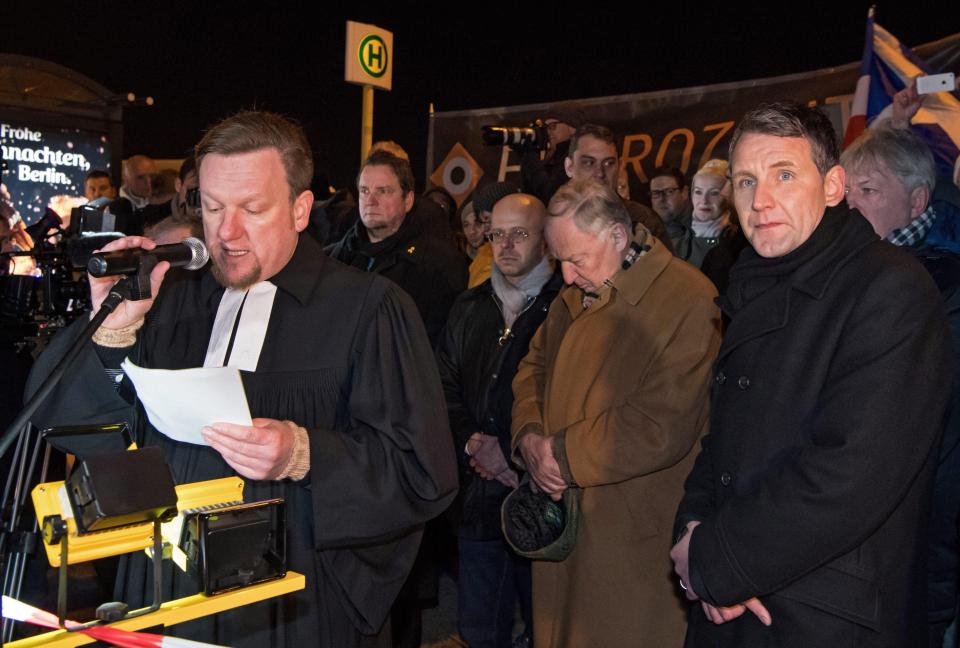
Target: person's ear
[(621, 239), (833, 185), (919, 198), (301, 210)]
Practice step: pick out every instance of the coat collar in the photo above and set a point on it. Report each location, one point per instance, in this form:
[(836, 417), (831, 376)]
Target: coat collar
[(852, 235), (299, 278), (632, 283), (770, 310)]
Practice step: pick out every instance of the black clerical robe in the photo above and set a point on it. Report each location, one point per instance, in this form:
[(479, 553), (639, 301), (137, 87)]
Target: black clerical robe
[(346, 356)]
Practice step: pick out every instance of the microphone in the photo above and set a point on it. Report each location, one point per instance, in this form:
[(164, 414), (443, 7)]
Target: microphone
[(191, 254)]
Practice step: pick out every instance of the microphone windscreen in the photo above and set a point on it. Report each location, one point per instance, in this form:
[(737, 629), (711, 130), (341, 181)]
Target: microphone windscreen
[(199, 253)]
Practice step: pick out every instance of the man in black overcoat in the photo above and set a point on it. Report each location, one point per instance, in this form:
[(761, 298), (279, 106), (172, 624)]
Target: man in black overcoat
[(804, 518)]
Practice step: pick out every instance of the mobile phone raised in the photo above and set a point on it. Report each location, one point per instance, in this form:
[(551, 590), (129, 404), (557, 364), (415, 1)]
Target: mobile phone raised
[(945, 82)]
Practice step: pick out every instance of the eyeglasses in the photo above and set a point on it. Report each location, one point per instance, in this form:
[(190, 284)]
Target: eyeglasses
[(516, 235), (659, 194)]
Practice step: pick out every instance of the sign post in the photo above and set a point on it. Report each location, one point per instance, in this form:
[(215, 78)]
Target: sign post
[(369, 63)]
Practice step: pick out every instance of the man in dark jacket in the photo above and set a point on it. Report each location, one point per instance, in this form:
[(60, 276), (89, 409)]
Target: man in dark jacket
[(890, 179), (404, 238), (488, 332), (670, 199), (593, 154), (804, 518)]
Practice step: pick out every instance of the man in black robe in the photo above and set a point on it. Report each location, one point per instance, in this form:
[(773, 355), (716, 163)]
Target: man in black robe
[(349, 424)]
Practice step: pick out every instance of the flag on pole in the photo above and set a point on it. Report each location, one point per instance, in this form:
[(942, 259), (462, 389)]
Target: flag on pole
[(886, 68)]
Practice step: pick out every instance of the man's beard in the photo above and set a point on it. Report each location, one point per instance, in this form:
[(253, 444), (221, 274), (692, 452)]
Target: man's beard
[(241, 283)]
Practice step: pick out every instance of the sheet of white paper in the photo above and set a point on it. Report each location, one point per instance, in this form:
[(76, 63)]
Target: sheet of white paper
[(181, 402)]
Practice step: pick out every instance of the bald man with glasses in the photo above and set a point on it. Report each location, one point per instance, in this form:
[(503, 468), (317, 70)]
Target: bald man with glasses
[(487, 334)]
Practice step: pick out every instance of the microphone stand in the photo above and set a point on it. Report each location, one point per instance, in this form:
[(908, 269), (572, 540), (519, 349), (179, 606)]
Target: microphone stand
[(133, 287), (123, 289)]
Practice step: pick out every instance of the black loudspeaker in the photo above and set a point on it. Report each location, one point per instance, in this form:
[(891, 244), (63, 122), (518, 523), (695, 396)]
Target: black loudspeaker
[(236, 546), (121, 488)]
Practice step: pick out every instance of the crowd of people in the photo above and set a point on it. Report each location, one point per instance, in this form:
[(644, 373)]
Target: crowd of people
[(724, 418)]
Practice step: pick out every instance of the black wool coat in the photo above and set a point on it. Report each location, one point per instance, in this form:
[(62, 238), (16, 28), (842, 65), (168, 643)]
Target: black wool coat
[(813, 485), (944, 559)]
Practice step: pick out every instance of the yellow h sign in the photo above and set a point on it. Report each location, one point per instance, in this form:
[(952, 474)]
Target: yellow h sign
[(373, 56), (369, 59)]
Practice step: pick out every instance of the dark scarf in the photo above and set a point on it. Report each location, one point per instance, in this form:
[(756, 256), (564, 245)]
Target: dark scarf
[(360, 252), (753, 275)]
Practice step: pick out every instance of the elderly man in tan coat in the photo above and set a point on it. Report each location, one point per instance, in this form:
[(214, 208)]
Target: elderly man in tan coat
[(611, 400)]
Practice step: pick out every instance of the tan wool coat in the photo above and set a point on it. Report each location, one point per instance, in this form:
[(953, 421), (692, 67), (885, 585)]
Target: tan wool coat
[(624, 387)]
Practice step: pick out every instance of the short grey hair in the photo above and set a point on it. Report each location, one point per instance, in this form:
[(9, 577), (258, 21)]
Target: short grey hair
[(593, 205), (905, 154), (790, 119)]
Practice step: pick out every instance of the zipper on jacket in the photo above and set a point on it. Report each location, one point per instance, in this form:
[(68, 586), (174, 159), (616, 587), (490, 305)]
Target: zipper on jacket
[(507, 331)]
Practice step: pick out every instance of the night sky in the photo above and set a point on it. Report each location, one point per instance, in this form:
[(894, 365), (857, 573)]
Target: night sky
[(202, 64)]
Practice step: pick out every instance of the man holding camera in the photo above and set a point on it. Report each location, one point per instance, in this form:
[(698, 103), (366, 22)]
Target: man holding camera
[(98, 184), (179, 217), (542, 177)]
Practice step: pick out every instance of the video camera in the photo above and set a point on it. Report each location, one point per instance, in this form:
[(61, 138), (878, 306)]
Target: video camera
[(101, 217), (532, 137), (39, 303)]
